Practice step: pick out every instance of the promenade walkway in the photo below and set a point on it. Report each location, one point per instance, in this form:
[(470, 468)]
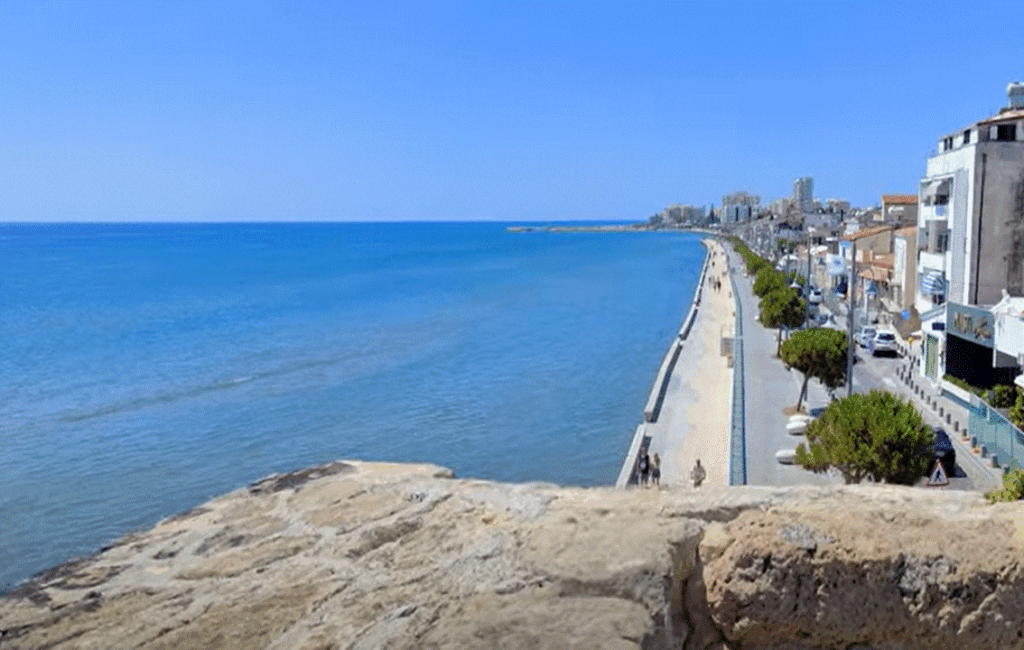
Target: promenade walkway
[(693, 421)]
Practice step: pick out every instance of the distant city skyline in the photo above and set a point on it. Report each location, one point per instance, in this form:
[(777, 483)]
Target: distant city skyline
[(367, 111)]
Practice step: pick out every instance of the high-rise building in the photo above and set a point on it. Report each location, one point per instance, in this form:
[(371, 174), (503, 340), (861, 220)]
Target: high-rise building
[(803, 194)]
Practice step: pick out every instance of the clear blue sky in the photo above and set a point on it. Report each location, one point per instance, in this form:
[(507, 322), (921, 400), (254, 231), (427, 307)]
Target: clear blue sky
[(479, 110)]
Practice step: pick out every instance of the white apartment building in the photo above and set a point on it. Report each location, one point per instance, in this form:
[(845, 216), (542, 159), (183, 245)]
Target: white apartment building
[(803, 194), (971, 213)]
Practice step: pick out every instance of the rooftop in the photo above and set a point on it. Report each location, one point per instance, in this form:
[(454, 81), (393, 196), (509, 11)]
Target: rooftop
[(902, 199), (1004, 115), (867, 232)]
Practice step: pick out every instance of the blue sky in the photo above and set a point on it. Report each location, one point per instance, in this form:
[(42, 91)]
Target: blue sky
[(226, 111)]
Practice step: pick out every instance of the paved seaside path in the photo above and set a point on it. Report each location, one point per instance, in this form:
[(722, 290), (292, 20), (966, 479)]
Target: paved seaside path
[(694, 418)]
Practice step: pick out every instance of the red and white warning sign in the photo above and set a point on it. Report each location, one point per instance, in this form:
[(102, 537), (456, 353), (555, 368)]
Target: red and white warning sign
[(938, 476)]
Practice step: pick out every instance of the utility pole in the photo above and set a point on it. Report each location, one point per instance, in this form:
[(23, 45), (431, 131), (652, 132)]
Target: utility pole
[(807, 280), (850, 345)]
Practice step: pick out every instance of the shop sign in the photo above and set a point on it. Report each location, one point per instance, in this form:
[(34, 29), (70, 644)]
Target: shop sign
[(971, 323)]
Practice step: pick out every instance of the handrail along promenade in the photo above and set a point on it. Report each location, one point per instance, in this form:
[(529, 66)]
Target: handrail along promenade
[(737, 434)]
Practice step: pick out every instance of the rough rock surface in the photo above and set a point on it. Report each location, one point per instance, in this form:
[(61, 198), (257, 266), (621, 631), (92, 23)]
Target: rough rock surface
[(362, 555)]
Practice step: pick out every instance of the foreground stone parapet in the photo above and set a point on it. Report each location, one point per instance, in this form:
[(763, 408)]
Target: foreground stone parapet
[(361, 555)]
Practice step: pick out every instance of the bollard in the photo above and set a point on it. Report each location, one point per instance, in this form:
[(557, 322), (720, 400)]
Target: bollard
[(949, 418), (995, 460), (956, 426), (942, 412), (984, 451)]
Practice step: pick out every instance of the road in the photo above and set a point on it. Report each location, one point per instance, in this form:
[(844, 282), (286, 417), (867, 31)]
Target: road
[(771, 391)]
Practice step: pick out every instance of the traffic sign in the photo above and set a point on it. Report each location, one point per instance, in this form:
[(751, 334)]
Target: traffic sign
[(938, 476)]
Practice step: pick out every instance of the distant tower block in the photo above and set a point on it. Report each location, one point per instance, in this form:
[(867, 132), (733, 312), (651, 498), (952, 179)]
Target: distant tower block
[(1015, 92)]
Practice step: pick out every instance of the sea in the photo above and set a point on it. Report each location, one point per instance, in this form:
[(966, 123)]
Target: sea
[(146, 368)]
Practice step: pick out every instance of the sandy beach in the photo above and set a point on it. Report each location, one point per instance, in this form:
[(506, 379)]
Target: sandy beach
[(695, 417)]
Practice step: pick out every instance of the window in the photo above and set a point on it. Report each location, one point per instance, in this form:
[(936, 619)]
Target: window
[(967, 136), (1006, 132), (947, 143), (942, 242)]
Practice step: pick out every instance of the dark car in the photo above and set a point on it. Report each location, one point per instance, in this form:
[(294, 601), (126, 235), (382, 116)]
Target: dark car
[(944, 453)]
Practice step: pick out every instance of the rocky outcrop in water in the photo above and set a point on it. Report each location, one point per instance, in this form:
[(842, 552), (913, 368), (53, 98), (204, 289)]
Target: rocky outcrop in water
[(357, 556)]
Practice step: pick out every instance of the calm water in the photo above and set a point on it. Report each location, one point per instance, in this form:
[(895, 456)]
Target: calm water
[(147, 368)]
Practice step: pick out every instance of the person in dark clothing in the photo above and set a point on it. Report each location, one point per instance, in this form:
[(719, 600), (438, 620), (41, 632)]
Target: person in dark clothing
[(644, 465), (698, 474)]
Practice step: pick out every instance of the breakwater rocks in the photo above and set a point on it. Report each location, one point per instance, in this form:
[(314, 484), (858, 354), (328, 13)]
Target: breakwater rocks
[(362, 555)]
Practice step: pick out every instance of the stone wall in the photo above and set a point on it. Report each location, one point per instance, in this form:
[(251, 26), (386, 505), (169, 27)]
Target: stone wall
[(356, 555)]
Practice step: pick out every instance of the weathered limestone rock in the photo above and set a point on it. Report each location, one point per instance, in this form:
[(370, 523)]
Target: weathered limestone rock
[(361, 555)]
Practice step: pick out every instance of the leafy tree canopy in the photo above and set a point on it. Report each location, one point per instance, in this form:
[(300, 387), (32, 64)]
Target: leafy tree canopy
[(782, 307), (819, 353), (767, 280), (876, 436)]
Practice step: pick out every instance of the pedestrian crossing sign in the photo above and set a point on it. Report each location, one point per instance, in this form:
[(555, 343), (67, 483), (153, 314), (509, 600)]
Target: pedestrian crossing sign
[(938, 476)]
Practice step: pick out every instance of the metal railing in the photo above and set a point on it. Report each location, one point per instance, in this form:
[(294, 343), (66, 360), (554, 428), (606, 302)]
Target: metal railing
[(737, 433), (997, 434)]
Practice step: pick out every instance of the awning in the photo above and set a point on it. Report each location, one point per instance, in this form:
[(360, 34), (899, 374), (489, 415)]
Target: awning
[(933, 283), (933, 189)]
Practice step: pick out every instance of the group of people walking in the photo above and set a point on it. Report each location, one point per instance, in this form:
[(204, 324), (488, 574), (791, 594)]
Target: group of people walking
[(649, 469)]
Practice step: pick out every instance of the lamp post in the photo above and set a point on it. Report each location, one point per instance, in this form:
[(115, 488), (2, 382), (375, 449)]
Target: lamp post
[(849, 338)]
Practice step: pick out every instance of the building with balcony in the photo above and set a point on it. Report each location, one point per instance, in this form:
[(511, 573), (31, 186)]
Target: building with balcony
[(970, 221)]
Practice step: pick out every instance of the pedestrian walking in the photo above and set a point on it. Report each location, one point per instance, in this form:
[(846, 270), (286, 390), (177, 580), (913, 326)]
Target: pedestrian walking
[(644, 465), (698, 475), (656, 470)]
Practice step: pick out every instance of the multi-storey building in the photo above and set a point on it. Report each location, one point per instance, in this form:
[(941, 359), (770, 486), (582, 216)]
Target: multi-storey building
[(971, 212), (803, 194)]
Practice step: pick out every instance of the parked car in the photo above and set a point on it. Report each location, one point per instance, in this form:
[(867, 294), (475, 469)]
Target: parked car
[(814, 296), (944, 453), (884, 342), (865, 335)]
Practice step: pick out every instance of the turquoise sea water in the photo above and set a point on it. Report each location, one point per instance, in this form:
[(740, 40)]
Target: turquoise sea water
[(147, 368)]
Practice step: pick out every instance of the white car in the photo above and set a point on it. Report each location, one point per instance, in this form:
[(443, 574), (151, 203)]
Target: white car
[(884, 341), (865, 336), (814, 296)]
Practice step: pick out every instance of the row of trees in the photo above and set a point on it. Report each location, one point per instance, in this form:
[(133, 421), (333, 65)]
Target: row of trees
[(878, 436)]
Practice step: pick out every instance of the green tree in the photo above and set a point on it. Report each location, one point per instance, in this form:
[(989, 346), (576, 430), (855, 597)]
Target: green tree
[(1017, 410), (818, 353), (1013, 487), (876, 436), (768, 279), (782, 307)]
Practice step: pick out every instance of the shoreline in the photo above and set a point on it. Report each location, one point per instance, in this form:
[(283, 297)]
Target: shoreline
[(688, 414)]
